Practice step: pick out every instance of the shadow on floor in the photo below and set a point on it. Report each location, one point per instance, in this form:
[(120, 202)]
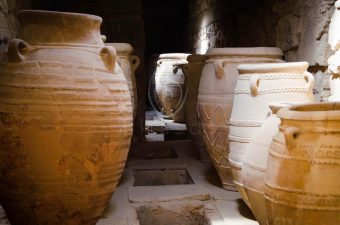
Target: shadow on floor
[(244, 210)]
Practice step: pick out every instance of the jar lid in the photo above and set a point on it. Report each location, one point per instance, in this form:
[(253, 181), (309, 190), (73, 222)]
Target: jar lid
[(311, 111), (121, 48)]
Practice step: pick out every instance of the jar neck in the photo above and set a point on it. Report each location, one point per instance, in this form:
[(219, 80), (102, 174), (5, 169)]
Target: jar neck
[(57, 28)]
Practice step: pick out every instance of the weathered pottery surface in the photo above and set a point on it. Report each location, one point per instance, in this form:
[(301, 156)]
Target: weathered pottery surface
[(170, 87), (257, 86), (65, 121), (192, 71), (215, 99), (129, 64), (302, 178), (255, 162)]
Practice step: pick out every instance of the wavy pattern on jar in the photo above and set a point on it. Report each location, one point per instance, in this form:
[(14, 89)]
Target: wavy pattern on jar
[(215, 100)]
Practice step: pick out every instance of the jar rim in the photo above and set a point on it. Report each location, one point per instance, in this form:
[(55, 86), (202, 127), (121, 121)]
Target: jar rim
[(286, 67), (311, 111), (272, 52), (46, 13)]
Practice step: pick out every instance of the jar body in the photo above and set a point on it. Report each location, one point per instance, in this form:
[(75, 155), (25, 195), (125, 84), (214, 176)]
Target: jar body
[(129, 64), (215, 101), (254, 167), (192, 79), (169, 85), (255, 89), (66, 126), (302, 185)]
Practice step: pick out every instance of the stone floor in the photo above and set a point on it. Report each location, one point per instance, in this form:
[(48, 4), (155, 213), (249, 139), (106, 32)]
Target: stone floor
[(167, 185)]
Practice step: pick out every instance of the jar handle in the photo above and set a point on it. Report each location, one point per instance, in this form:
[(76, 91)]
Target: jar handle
[(15, 48), (254, 85), (219, 69), (291, 133), (135, 62), (175, 69), (310, 80), (109, 57), (103, 37)]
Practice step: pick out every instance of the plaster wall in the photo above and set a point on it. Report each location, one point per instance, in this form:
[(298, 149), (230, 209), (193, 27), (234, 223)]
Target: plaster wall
[(298, 27)]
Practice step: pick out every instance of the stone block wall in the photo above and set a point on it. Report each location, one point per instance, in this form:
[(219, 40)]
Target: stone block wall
[(298, 27)]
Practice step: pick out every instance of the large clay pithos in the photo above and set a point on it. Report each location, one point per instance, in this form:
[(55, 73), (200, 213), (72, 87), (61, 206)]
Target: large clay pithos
[(169, 82), (257, 86), (215, 99), (129, 64), (65, 121), (192, 71), (302, 178), (255, 162)]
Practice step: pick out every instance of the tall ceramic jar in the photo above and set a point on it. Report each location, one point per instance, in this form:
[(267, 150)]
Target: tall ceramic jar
[(257, 86), (255, 162), (169, 83), (192, 72), (65, 121), (302, 178), (215, 99), (129, 64)]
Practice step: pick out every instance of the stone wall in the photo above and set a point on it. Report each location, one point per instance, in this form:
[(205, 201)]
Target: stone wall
[(8, 22), (298, 27)]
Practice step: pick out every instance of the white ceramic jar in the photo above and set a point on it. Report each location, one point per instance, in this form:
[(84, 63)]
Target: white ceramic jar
[(255, 162), (215, 99), (257, 86), (169, 84)]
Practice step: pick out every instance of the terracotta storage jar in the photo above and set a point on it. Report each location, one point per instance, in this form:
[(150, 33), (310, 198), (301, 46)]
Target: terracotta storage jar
[(192, 72), (255, 162), (129, 64), (302, 178), (215, 99), (169, 82), (257, 86), (65, 121)]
